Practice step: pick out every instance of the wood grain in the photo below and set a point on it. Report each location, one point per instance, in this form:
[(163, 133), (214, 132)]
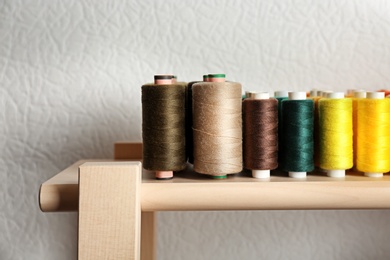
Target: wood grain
[(109, 210), (239, 192)]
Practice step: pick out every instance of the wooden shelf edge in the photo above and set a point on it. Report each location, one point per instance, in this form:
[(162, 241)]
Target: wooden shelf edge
[(188, 192)]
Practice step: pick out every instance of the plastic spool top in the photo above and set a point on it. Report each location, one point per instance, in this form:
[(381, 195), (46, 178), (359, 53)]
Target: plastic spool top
[(216, 78), (359, 94), (350, 92), (339, 173), (375, 95), (314, 93), (297, 96), (300, 95), (335, 95), (281, 93), (248, 94), (163, 79), (325, 93), (260, 174)]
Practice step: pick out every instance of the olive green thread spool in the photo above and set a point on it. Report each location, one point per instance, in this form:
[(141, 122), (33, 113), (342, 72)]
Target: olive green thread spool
[(163, 127)]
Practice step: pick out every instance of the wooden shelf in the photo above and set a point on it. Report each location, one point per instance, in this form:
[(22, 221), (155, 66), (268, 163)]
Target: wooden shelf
[(191, 191), (110, 195)]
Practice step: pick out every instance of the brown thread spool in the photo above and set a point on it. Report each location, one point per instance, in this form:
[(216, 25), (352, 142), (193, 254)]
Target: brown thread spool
[(163, 126), (260, 134), (217, 128)]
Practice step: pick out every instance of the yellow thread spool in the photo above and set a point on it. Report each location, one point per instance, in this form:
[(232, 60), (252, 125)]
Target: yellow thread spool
[(373, 135), (357, 95), (335, 135)]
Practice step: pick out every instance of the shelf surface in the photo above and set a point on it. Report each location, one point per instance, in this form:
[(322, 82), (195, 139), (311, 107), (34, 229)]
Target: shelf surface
[(192, 191)]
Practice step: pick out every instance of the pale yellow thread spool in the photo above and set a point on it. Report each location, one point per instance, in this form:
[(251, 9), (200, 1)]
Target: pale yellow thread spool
[(335, 134), (373, 135)]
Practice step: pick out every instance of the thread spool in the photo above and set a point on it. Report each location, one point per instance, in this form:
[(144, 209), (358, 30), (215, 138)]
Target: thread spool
[(335, 114), (357, 95), (280, 95), (260, 134), (163, 126), (217, 127), (373, 137), (316, 131), (297, 135), (189, 132)]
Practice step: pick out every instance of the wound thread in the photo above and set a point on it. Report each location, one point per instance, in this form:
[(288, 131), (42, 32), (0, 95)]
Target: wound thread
[(335, 133), (217, 127), (357, 96), (260, 134), (316, 132), (163, 127), (373, 135), (189, 132), (280, 99), (297, 135)]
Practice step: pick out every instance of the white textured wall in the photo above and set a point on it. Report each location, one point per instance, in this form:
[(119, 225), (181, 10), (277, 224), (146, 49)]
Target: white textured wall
[(70, 77)]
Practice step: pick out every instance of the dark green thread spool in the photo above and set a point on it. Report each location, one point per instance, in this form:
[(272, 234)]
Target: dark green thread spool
[(297, 141)]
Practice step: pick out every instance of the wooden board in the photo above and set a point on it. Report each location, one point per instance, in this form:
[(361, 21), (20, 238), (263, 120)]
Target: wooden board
[(109, 210), (191, 191)]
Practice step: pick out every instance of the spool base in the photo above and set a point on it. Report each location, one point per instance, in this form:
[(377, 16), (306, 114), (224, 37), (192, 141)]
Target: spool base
[(162, 179), (374, 174), (219, 177), (164, 175), (336, 173), (261, 174), (297, 175)]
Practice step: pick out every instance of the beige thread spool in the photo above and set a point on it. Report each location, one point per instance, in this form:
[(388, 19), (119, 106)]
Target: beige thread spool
[(217, 127)]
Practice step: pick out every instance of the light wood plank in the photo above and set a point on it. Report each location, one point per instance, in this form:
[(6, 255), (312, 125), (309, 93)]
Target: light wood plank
[(109, 210), (128, 151), (191, 191), (148, 235)]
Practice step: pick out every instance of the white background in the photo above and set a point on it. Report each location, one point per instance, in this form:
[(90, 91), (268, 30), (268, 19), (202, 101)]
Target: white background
[(70, 77)]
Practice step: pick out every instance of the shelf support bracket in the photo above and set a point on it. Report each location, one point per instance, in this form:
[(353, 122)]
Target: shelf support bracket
[(109, 221)]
